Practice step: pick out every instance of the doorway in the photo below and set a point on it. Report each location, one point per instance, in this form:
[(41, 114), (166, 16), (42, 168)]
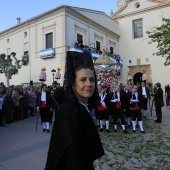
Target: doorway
[(137, 78)]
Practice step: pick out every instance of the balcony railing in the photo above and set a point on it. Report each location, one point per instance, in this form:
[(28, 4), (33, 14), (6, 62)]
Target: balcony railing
[(47, 53)]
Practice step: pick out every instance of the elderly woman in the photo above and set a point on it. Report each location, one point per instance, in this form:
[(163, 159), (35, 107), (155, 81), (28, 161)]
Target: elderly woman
[(75, 142)]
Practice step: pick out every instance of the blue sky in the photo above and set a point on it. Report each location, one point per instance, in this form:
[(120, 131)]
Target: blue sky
[(25, 9)]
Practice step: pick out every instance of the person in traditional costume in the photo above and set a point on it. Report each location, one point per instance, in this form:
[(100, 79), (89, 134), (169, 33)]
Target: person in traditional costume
[(44, 107), (75, 142), (127, 91), (135, 100), (117, 100), (103, 109), (144, 92)]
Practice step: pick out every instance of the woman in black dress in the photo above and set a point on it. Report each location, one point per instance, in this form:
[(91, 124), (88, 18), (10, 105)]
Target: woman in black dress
[(75, 142)]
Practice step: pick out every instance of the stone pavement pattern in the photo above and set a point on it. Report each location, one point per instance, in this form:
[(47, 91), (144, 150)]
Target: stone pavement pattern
[(21, 148)]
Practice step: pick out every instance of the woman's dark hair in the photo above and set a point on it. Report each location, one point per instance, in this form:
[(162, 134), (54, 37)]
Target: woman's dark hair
[(76, 61)]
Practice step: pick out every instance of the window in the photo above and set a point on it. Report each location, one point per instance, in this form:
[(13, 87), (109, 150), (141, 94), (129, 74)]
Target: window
[(79, 37), (138, 28), (111, 50), (97, 45), (26, 49), (137, 5), (49, 40), (8, 40), (8, 51), (25, 34), (25, 46)]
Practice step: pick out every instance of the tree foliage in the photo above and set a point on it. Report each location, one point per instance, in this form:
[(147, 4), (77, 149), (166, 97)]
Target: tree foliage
[(161, 35), (9, 65)]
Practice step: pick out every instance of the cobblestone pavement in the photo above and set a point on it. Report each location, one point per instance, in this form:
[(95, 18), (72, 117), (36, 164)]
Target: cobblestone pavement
[(22, 148)]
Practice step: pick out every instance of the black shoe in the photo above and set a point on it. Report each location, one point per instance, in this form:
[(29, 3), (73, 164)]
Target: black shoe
[(107, 130), (142, 131), (115, 130), (48, 131), (2, 125), (124, 131), (134, 131), (144, 117), (157, 121), (101, 130), (44, 130)]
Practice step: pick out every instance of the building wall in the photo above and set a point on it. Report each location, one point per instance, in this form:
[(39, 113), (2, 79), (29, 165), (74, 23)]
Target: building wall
[(64, 25), (36, 31), (133, 49)]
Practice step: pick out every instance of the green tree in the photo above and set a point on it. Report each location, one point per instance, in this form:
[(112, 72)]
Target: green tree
[(9, 65), (161, 35)]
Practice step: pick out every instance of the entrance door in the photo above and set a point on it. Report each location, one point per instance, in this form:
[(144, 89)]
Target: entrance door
[(137, 78)]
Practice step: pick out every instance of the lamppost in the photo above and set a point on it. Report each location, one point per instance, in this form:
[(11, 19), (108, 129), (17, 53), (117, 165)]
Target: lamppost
[(53, 71)]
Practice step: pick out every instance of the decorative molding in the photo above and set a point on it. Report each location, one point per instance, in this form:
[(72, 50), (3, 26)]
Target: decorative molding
[(98, 37), (139, 68), (77, 27), (118, 15), (112, 43), (49, 26)]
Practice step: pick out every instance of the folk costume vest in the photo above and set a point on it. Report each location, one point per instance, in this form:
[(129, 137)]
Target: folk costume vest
[(116, 103), (102, 105), (134, 102)]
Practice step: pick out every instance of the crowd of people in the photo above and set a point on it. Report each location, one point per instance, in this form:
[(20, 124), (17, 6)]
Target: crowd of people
[(19, 102), (87, 48), (80, 105), (124, 104)]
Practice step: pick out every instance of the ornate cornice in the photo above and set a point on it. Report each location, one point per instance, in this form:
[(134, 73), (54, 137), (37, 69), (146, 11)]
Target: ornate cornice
[(161, 4)]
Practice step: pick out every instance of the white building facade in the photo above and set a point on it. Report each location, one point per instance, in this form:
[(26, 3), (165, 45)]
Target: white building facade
[(46, 39), (135, 17)]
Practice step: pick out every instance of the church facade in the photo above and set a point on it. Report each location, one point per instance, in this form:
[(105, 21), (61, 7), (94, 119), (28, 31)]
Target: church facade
[(135, 17)]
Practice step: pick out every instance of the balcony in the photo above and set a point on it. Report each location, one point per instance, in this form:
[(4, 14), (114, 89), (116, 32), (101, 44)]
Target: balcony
[(47, 53)]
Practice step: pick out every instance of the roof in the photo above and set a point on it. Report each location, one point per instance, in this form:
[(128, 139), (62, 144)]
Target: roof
[(48, 12)]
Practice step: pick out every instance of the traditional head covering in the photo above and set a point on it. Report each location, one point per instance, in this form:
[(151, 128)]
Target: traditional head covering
[(74, 60)]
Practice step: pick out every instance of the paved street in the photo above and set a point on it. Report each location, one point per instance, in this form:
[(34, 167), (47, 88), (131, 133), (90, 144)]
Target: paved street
[(21, 148)]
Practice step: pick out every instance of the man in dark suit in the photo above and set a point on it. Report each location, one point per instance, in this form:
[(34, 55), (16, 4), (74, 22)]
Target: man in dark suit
[(158, 97), (44, 106), (168, 100), (144, 92)]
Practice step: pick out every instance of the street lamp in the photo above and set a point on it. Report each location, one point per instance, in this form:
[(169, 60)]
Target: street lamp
[(53, 71)]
